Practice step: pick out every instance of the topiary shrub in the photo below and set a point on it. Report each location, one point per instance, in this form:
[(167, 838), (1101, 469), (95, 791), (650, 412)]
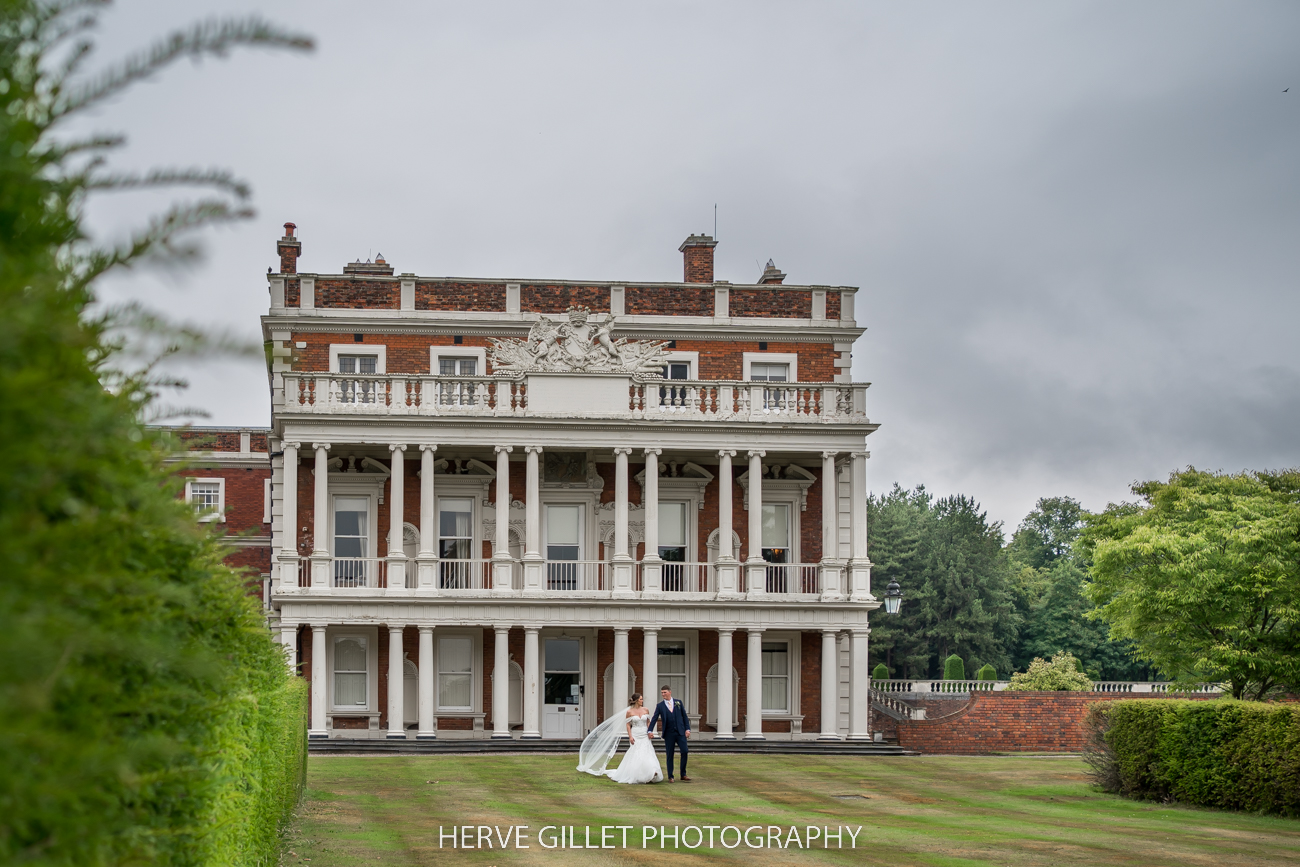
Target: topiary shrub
[(880, 672), (954, 668), (1062, 673), (1219, 753), (988, 672)]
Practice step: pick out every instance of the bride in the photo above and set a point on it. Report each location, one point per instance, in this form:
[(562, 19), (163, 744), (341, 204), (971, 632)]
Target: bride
[(640, 763)]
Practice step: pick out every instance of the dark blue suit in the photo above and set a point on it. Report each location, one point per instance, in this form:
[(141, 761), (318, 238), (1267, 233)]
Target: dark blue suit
[(676, 725)]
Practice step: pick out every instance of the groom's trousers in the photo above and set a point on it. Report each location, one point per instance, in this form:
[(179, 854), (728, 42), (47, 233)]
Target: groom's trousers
[(673, 741)]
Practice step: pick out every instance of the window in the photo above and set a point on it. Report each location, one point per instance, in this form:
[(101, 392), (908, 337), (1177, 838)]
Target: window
[(672, 545), (207, 497), (563, 543), (776, 677), (455, 673), (672, 668), (455, 541), (776, 545), (457, 393), (354, 390), (769, 372), (350, 671), (351, 541), (456, 366)]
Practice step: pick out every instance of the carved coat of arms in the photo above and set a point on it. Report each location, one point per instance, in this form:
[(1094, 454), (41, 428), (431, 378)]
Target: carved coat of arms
[(581, 343)]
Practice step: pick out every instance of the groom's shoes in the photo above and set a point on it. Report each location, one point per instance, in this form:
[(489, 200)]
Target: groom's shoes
[(670, 779), (685, 779)]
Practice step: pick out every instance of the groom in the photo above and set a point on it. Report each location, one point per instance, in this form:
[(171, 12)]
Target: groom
[(676, 729)]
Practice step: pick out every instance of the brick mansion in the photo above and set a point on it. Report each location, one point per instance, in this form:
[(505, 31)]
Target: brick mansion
[(495, 508)]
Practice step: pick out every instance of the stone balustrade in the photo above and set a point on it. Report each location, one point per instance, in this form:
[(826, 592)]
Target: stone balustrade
[(963, 688)]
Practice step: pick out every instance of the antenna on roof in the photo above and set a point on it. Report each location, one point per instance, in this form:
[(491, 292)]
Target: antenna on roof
[(715, 221)]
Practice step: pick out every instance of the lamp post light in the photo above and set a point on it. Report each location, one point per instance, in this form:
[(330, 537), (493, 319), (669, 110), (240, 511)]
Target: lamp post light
[(893, 598)]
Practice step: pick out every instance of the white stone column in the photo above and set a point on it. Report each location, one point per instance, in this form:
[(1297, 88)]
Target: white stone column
[(650, 665), (532, 684), (830, 686), (533, 559), (502, 566), (396, 685), (501, 684), (397, 519), (725, 701), (727, 569), (830, 571), (289, 641), (288, 557), (618, 682), (320, 549), (754, 687), (859, 566), (319, 683), (651, 568), (426, 559), (755, 567), (428, 728), (622, 562), (859, 687)]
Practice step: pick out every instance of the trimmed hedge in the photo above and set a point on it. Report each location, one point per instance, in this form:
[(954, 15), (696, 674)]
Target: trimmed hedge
[(988, 672), (880, 672), (1219, 753), (954, 668)]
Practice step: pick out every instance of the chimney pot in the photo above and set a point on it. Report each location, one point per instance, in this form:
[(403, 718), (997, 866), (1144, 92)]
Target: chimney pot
[(772, 274), (288, 229), (289, 248), (697, 258)]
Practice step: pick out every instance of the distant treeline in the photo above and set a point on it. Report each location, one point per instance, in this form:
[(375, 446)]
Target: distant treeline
[(969, 591)]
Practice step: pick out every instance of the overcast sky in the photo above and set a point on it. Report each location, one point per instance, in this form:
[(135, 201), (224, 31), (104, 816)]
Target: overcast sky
[(1074, 225)]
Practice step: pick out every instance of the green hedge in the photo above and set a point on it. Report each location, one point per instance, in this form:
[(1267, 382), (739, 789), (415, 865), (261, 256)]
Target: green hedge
[(954, 668), (1217, 753)]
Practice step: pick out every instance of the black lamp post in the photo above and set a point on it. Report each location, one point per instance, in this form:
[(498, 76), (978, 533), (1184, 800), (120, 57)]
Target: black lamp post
[(893, 598)]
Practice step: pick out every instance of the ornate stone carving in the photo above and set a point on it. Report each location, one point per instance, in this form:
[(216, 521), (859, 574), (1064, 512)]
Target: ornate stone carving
[(580, 344)]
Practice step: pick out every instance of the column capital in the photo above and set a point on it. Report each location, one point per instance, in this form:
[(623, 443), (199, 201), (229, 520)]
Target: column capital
[(831, 455), (860, 454), (532, 630), (506, 449), (651, 630), (726, 453), (318, 627), (397, 447), (396, 627), (622, 630), (862, 630), (655, 452), (291, 444), (426, 630), (318, 446), (830, 631), (757, 453), (623, 450), (502, 629), (727, 632), (532, 450), (754, 630), (428, 447)]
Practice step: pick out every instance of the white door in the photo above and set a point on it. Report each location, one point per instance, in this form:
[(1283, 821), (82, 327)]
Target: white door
[(562, 689)]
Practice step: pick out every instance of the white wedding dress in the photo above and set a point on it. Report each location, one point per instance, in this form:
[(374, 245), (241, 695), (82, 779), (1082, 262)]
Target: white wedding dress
[(640, 763)]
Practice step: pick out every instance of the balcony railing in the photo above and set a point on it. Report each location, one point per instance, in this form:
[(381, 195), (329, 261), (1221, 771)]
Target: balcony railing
[(793, 581), (965, 687), (425, 395)]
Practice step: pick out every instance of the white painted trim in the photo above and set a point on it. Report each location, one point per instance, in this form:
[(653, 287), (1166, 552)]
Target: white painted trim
[(476, 352), (306, 292), (266, 500), (789, 358), (380, 352), (219, 515)]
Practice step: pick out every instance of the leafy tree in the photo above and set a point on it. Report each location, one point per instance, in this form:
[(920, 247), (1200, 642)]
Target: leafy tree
[(1203, 576), (1060, 673), (955, 576), (135, 661), (1049, 591)]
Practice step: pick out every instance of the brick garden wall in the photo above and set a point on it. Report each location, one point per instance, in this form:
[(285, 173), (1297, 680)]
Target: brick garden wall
[(997, 722)]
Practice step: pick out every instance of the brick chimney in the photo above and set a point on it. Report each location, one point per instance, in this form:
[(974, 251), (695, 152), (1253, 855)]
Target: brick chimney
[(697, 254), (289, 248), (772, 274)]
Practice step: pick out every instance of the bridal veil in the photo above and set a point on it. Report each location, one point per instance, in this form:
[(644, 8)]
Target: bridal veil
[(599, 746)]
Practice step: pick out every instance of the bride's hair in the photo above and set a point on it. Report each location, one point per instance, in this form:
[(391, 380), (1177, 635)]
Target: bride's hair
[(632, 700)]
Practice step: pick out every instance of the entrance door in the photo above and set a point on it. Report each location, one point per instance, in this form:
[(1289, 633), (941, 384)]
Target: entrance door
[(561, 692)]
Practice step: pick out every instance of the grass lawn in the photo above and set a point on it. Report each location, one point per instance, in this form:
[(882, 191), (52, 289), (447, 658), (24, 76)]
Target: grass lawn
[(940, 811)]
